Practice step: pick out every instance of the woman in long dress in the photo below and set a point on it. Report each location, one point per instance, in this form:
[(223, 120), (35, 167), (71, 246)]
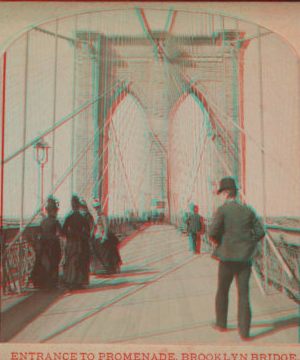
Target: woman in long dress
[(48, 249), (105, 242), (75, 228)]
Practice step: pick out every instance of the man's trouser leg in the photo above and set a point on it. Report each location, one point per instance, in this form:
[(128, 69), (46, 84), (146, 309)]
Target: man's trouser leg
[(198, 243), (244, 309), (194, 241), (191, 241), (194, 237), (226, 275)]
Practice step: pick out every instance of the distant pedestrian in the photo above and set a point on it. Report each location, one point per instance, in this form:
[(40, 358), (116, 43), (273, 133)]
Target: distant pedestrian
[(195, 226), (48, 249), (105, 242), (75, 228), (236, 230)]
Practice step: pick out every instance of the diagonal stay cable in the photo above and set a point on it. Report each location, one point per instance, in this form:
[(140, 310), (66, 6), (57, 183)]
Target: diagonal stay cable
[(205, 99), (123, 296), (55, 188), (196, 155), (199, 164), (215, 109), (143, 172), (123, 167), (99, 157), (163, 53), (59, 123)]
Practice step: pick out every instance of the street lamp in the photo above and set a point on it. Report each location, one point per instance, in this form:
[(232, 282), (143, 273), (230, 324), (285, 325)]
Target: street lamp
[(41, 156)]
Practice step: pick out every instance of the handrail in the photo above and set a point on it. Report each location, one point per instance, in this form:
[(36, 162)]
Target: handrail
[(283, 228), (271, 242)]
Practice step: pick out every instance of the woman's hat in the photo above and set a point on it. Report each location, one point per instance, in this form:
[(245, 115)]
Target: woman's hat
[(96, 204), (52, 204), (83, 203), (75, 201), (227, 183)]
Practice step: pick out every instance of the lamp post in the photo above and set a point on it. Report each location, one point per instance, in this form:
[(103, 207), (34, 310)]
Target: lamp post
[(41, 156)]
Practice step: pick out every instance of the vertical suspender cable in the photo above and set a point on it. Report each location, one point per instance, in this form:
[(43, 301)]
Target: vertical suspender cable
[(109, 70), (96, 64), (54, 103), (197, 120), (212, 17), (240, 147), (235, 90), (109, 113), (111, 159), (73, 105), (104, 71), (298, 133), (2, 165), (175, 99), (191, 133), (23, 161), (89, 57), (211, 40), (224, 90), (262, 155)]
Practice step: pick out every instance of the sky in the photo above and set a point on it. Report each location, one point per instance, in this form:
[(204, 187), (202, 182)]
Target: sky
[(280, 17)]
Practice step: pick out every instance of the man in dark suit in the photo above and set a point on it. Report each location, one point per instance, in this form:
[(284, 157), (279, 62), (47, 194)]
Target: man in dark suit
[(195, 226), (236, 230)]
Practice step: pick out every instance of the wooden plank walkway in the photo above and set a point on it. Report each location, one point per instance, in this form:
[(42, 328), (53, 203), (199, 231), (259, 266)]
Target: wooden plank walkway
[(164, 295)]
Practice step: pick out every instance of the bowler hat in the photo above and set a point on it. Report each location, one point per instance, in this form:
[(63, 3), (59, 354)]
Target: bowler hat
[(227, 183)]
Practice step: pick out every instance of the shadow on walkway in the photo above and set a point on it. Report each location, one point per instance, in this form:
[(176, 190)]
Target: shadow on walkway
[(17, 317), (275, 326)]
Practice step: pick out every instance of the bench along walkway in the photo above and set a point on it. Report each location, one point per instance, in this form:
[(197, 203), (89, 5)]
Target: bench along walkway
[(164, 295)]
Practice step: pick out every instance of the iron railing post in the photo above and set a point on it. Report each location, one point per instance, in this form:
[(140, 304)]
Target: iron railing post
[(2, 244)]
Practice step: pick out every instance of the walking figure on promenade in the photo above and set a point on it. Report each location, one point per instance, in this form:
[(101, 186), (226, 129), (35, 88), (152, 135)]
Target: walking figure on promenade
[(195, 226), (105, 242), (86, 243), (48, 249), (236, 230), (76, 229)]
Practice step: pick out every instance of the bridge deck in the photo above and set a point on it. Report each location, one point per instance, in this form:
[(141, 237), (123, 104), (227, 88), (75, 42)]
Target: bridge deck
[(164, 294)]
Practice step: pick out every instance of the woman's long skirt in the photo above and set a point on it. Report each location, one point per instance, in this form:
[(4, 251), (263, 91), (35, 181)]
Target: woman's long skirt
[(45, 271), (108, 253), (73, 276)]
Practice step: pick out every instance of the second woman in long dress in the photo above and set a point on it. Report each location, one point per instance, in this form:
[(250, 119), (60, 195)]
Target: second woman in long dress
[(76, 229), (86, 253), (105, 242)]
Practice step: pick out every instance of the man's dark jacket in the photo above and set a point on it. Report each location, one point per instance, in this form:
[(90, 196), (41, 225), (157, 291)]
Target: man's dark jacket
[(195, 223), (237, 230)]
